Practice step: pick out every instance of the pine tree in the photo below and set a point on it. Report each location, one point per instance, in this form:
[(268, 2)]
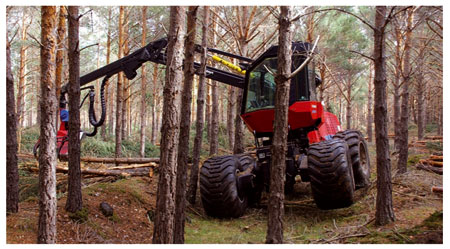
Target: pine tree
[(279, 145), (74, 197), (165, 203), (47, 150)]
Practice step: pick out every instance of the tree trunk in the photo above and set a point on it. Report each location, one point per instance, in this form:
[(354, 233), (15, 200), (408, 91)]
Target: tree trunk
[(47, 151), (349, 106), (280, 127), (108, 91), (154, 109), (165, 203), (214, 141), (119, 90), (60, 52), (22, 80), (403, 138), (208, 112), (143, 87), (369, 108), (231, 113), (12, 170), (214, 130), (125, 89), (192, 189), (74, 198), (421, 87), (185, 124), (384, 210), (239, 125), (396, 85)]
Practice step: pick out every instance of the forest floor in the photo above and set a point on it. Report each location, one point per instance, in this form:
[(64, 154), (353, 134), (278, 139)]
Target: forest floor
[(418, 212)]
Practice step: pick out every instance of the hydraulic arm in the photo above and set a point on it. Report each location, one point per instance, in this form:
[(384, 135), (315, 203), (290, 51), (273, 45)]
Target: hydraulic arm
[(154, 51)]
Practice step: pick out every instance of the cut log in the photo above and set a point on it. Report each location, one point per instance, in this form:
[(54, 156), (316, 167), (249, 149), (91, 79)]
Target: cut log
[(429, 168), (134, 166), (432, 163), (436, 158), (120, 160), (145, 171), (434, 137), (436, 189), (106, 160)]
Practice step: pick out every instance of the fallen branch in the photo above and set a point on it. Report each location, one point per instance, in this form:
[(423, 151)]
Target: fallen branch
[(345, 237)]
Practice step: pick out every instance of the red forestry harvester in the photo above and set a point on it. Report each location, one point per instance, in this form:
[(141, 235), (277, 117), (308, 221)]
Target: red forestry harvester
[(335, 162)]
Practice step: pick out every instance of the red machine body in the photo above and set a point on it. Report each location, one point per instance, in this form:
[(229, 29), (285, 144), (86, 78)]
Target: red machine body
[(302, 114), (62, 141)]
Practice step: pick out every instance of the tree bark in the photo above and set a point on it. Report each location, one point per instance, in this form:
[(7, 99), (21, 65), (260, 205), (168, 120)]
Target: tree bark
[(143, 87), (214, 130), (154, 109), (214, 141), (47, 151), (349, 104), (208, 112), (22, 79), (119, 90), (22, 82), (384, 209), (12, 170), (239, 125), (280, 127), (125, 89), (370, 108), (421, 87), (165, 202), (193, 181), (231, 114), (396, 86), (106, 129), (185, 124), (74, 198), (60, 52), (406, 73)]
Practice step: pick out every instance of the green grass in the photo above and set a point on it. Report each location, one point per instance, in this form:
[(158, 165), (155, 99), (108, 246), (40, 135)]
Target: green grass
[(217, 231)]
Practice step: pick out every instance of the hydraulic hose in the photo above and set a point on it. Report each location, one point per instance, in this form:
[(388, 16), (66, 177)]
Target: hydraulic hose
[(92, 117)]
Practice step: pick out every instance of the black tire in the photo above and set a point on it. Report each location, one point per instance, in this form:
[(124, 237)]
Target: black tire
[(219, 191), (331, 175), (359, 155)]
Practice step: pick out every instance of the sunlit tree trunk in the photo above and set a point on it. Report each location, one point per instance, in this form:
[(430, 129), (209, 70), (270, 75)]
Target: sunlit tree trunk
[(20, 105), (143, 87), (119, 90), (47, 150), (109, 93)]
